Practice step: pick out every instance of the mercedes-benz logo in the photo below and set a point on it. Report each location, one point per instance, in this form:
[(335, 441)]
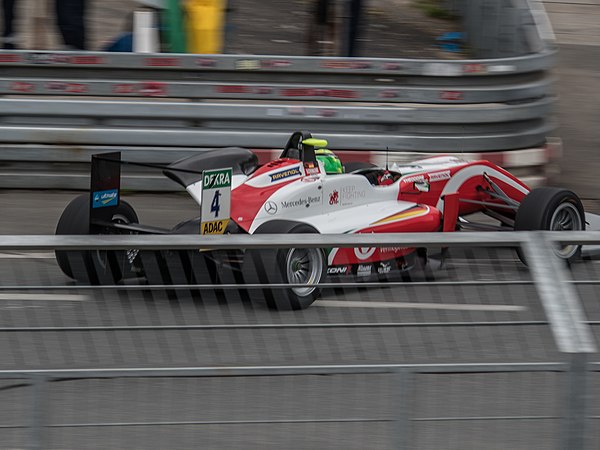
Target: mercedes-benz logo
[(271, 208)]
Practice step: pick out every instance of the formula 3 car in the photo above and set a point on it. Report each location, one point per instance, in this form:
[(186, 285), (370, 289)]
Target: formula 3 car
[(299, 193)]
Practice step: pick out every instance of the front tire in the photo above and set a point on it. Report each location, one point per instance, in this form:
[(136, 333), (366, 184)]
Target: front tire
[(97, 266), (553, 209), (285, 266)]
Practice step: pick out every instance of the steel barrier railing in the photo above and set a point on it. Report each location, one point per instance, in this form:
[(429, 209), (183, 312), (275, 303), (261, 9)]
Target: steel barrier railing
[(469, 106), (401, 387), (413, 408)]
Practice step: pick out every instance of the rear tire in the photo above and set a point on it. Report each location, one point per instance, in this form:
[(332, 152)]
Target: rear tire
[(93, 266), (554, 209), (285, 266)]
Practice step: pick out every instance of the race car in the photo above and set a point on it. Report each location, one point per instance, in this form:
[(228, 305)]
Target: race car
[(307, 190)]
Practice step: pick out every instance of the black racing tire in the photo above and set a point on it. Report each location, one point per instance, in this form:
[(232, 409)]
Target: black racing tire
[(276, 266), (555, 209), (94, 267), (352, 166)]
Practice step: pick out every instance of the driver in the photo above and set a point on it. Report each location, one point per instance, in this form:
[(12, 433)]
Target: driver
[(330, 161)]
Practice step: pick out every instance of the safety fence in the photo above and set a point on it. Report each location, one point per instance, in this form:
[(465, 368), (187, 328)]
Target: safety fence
[(59, 107), (504, 405), (486, 353)]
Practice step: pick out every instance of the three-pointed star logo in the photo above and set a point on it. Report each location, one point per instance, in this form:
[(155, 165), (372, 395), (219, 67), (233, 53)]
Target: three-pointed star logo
[(271, 207)]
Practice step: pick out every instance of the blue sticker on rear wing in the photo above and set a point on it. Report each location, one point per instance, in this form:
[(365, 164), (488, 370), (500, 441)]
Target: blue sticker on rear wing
[(105, 198)]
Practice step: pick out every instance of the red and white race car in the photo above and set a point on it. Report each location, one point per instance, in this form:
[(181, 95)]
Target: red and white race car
[(296, 194)]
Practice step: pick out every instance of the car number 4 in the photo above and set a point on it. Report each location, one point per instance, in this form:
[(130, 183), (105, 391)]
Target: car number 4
[(215, 206)]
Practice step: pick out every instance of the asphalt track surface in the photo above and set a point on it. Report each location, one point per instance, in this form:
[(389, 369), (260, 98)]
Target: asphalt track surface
[(77, 327)]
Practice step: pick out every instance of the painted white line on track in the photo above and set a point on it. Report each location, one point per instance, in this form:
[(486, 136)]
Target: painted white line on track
[(402, 305), (44, 297)]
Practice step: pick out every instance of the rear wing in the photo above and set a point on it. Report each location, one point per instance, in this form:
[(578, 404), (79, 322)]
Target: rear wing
[(105, 188)]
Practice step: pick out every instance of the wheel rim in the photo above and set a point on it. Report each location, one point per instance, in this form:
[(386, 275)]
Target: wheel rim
[(102, 255), (566, 218), (304, 266)]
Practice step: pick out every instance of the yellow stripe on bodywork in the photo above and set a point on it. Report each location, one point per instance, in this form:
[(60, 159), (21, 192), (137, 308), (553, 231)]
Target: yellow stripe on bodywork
[(413, 212)]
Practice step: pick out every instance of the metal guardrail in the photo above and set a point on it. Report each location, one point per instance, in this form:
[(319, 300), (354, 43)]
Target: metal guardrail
[(360, 104), (275, 415), (568, 391)]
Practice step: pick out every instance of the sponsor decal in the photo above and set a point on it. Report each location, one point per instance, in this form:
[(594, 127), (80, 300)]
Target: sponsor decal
[(47, 58), (337, 270), (301, 202), (270, 207), (311, 169), (364, 270), (233, 89), (388, 94), (348, 194), (414, 179), (161, 62), (275, 63), (255, 64), (68, 88), (19, 86), (452, 95), (392, 66), (153, 89), (53, 58), (392, 249), (310, 92), (103, 199), (86, 60), (215, 227), (216, 201), (205, 62), (9, 58), (384, 267), (439, 176), (363, 253), (474, 68), (345, 64), (124, 89), (287, 173), (334, 198), (148, 89), (216, 179), (310, 179), (247, 64)]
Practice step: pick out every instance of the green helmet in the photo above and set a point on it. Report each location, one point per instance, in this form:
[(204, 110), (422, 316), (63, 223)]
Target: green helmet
[(330, 161)]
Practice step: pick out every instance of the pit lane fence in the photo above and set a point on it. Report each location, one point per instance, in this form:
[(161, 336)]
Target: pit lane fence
[(60, 107), (505, 405)]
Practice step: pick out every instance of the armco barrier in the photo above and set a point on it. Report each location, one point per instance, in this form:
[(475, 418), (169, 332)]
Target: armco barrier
[(59, 106)]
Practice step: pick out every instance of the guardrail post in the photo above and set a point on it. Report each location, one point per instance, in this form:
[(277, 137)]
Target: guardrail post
[(39, 409), (575, 401), (572, 335), (404, 402)]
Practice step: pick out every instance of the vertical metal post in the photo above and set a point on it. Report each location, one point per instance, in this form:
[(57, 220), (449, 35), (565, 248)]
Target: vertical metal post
[(404, 405), (575, 403), (38, 416), (572, 335)]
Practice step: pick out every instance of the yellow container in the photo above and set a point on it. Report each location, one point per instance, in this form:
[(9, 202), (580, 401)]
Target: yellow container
[(205, 20)]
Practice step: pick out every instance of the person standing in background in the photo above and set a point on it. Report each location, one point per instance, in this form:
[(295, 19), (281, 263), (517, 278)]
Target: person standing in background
[(70, 18), (8, 33)]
